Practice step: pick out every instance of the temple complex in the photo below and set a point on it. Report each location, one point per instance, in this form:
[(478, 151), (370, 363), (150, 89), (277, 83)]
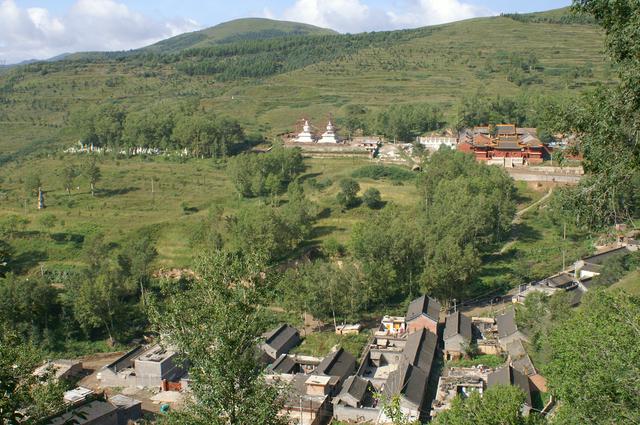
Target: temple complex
[(505, 145), (330, 135), (305, 136)]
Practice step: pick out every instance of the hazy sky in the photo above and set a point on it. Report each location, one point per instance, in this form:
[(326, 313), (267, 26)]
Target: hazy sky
[(32, 29)]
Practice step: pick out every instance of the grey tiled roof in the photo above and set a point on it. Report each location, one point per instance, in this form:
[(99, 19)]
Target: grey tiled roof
[(509, 376), (280, 336), (420, 349), (458, 324), (423, 305), (339, 363), (409, 381), (507, 323)]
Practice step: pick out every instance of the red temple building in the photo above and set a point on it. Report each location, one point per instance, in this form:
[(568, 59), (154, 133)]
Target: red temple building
[(507, 145)]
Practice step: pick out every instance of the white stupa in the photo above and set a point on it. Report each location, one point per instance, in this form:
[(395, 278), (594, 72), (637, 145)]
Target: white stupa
[(330, 135), (305, 136)]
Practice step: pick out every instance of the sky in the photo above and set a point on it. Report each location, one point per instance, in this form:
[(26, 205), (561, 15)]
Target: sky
[(36, 29)]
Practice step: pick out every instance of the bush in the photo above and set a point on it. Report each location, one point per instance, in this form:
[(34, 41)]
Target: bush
[(372, 198), (379, 172), (348, 195)]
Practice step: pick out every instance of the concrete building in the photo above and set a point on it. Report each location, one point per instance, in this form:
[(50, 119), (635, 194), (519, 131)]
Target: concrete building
[(156, 365), (458, 335), (280, 340), (61, 369), (434, 143), (423, 313), (143, 367)]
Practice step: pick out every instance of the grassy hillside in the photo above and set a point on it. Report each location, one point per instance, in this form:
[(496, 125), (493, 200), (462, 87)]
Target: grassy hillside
[(232, 31), (304, 76)]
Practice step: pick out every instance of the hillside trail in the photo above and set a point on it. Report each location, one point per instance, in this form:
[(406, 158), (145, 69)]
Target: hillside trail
[(518, 217)]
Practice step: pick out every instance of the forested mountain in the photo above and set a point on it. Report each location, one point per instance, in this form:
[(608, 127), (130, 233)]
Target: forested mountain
[(268, 82), (234, 31)]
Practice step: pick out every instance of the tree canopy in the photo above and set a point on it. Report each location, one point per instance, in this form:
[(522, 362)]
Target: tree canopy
[(595, 361)]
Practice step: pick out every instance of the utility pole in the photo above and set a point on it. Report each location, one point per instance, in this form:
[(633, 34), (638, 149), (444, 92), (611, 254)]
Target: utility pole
[(564, 241)]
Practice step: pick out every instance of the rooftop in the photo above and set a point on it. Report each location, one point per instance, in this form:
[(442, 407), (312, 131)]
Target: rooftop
[(280, 336), (424, 305), (507, 323), (338, 363), (458, 324)]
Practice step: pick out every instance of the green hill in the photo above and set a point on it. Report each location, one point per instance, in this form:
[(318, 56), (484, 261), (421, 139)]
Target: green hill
[(268, 84), (234, 31)]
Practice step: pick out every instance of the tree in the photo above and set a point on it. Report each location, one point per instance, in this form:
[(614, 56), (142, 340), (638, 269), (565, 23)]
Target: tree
[(92, 173), (99, 299), (608, 123), (32, 183), (48, 221), (28, 307), (348, 195), (135, 259), (24, 397), (69, 174), (6, 252), (595, 361), (372, 198), (500, 405), (215, 321)]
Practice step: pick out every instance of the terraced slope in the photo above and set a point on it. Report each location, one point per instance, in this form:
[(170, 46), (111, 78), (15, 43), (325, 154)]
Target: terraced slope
[(303, 76)]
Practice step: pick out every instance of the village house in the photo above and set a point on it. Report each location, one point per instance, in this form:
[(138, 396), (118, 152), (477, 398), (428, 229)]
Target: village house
[(396, 366), (434, 142), (591, 266), (292, 364), (149, 367), (507, 375), (339, 363), (356, 402), (92, 410), (508, 329), (423, 313), (280, 340), (458, 335), (458, 381), (505, 145), (308, 397)]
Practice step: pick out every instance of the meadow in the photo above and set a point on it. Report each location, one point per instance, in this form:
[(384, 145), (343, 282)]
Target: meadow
[(171, 198)]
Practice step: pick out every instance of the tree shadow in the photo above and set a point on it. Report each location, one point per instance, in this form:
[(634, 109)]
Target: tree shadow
[(325, 213), (308, 176), (107, 193), (320, 231), (525, 233), (63, 238), (27, 260)]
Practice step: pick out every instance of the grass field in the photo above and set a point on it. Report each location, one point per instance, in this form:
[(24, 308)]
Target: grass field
[(630, 283), (320, 343), (184, 193)]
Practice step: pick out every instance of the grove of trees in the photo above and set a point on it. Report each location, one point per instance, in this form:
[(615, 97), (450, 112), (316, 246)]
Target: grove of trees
[(159, 126)]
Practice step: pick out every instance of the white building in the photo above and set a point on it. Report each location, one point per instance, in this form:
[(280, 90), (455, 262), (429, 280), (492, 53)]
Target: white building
[(433, 143), (330, 135), (305, 136)]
